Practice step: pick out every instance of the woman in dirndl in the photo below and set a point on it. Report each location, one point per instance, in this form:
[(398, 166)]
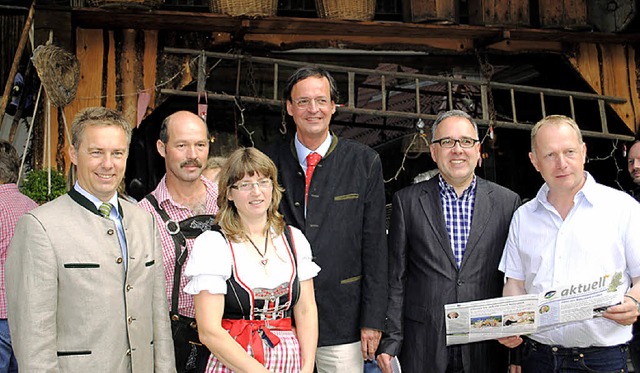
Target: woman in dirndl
[(252, 279)]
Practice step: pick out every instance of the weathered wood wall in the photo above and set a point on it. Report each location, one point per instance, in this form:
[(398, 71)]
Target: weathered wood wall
[(611, 70), (115, 67)]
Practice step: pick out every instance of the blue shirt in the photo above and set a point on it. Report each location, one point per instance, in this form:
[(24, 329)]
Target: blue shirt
[(303, 151), (458, 212), (114, 215)]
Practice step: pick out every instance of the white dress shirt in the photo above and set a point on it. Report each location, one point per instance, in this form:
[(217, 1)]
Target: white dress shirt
[(600, 235)]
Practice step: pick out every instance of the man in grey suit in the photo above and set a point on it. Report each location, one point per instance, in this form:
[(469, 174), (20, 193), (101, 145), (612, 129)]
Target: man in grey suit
[(446, 238), (84, 274)]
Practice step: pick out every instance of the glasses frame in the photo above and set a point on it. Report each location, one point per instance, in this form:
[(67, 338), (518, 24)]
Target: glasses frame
[(300, 104), (456, 141), (247, 186)]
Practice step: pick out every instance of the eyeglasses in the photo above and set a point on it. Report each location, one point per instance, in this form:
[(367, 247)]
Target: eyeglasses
[(303, 103), (247, 186), (448, 142)]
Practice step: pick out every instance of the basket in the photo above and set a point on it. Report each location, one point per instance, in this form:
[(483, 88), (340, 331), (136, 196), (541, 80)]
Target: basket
[(359, 10), (126, 4), (251, 8), (59, 72)]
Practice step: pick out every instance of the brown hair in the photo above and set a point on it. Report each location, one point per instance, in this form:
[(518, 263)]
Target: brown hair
[(100, 116), (9, 164), (246, 161)]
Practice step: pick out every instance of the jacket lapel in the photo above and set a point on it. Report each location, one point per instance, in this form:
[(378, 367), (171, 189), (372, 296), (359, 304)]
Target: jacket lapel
[(432, 208), (482, 211)]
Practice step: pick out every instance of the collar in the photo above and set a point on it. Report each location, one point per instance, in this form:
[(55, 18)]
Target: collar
[(163, 195), (588, 192), (448, 189), (96, 201), (303, 151), (9, 187)]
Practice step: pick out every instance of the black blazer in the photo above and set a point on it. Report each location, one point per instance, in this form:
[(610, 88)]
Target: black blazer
[(423, 276), (345, 225)]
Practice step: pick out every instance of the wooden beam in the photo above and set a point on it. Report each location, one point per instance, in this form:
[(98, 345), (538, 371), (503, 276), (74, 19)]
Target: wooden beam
[(90, 54), (128, 62), (287, 42), (111, 89), (216, 23), (150, 63)]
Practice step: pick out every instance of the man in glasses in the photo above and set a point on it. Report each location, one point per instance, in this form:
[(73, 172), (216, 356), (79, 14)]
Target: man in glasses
[(446, 238), (334, 193)]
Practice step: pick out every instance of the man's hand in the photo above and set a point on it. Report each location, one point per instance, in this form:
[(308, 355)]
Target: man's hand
[(515, 368), (511, 342), (370, 339), (384, 362), (624, 314)]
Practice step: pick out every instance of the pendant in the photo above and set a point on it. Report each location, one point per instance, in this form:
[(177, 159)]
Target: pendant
[(264, 262)]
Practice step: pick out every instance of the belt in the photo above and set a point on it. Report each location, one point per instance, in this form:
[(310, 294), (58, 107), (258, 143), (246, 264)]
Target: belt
[(184, 319), (251, 332), (560, 350)]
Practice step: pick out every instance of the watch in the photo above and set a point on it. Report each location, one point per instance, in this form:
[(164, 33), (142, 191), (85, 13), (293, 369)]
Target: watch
[(634, 301)]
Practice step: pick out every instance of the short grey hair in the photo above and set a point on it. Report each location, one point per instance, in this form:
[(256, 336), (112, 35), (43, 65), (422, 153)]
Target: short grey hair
[(451, 114)]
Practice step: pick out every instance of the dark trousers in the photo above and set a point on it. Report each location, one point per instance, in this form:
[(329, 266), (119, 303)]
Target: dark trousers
[(191, 355), (454, 359), (538, 357), (634, 347)]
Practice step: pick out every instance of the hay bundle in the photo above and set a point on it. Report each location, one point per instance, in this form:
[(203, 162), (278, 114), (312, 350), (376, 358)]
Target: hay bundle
[(59, 72)]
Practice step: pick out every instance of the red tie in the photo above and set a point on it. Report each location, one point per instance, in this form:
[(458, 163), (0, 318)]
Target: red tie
[(312, 160)]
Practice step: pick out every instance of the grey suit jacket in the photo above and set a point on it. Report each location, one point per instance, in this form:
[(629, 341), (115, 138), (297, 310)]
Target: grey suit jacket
[(72, 306), (423, 275)]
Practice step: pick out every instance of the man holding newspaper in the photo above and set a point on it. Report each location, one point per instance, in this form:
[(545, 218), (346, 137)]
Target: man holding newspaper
[(573, 230)]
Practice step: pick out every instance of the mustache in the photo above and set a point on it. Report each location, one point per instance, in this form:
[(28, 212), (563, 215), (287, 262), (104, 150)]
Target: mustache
[(191, 162)]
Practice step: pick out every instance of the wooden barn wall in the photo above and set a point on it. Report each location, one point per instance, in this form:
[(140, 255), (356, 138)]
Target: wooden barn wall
[(115, 68), (611, 70)]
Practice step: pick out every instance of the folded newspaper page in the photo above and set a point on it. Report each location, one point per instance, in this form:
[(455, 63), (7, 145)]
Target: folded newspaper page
[(525, 314)]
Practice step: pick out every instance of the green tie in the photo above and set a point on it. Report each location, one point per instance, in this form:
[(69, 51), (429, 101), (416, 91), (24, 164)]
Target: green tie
[(105, 210)]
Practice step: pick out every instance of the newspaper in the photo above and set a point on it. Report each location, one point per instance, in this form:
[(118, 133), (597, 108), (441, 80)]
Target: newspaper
[(525, 314)]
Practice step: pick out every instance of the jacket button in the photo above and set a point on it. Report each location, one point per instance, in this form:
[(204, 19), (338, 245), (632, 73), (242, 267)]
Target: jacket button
[(129, 352), (119, 260), (110, 232), (175, 317), (296, 204), (129, 287), (131, 319), (460, 282)]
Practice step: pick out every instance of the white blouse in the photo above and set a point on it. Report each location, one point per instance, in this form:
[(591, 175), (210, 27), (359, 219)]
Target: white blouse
[(212, 260)]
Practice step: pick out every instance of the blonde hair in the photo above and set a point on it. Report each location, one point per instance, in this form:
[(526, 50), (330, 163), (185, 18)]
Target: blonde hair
[(242, 162), (556, 120)]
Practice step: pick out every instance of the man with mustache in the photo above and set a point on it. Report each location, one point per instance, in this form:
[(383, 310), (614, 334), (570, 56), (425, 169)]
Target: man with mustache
[(183, 200)]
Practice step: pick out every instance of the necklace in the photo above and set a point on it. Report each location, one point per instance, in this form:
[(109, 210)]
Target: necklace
[(264, 260)]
